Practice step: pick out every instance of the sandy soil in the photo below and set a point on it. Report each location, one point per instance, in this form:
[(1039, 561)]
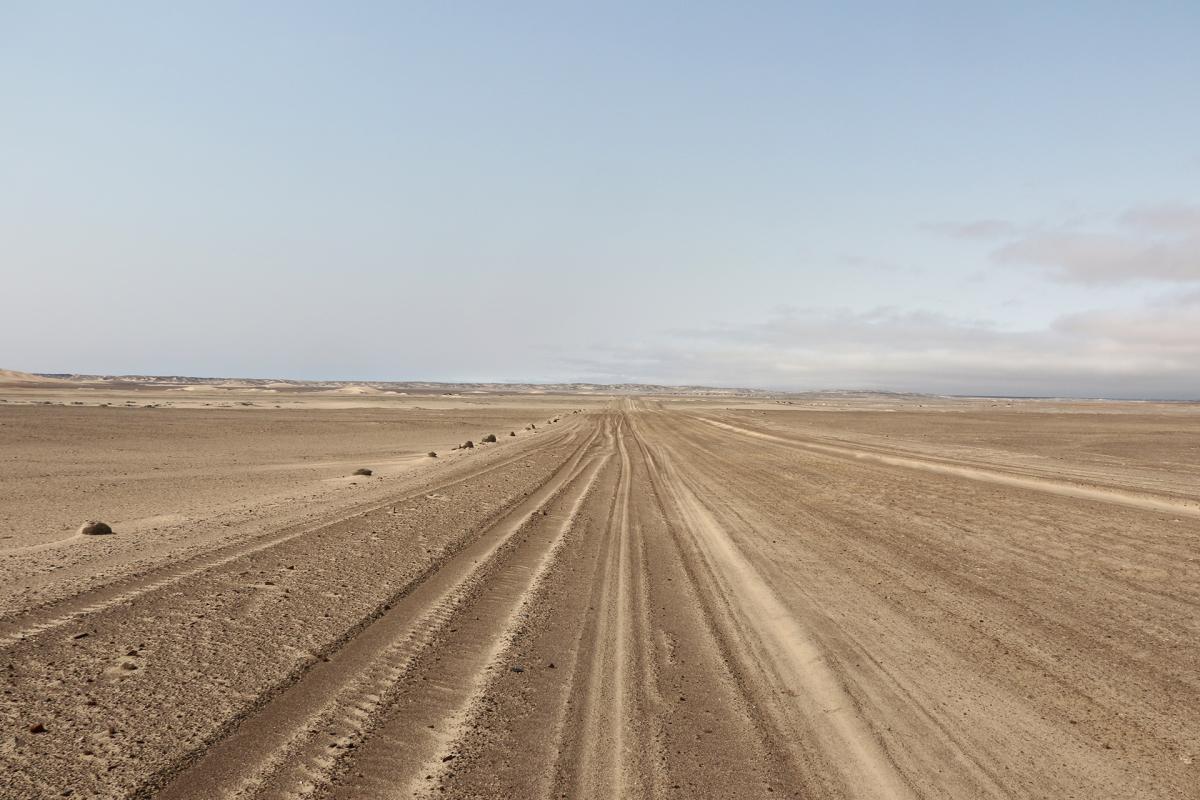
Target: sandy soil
[(857, 598)]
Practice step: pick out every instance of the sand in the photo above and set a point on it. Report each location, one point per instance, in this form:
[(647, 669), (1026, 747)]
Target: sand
[(655, 596)]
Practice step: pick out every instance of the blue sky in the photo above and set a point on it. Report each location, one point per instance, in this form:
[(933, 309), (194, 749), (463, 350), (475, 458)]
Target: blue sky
[(939, 197)]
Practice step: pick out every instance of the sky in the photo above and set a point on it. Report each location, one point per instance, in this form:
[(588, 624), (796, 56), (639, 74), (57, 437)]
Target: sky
[(943, 197)]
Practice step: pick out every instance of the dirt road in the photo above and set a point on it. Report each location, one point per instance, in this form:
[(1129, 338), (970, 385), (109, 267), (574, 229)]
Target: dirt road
[(649, 600)]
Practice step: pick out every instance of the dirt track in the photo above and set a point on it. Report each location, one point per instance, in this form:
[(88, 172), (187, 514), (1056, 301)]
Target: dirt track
[(648, 600)]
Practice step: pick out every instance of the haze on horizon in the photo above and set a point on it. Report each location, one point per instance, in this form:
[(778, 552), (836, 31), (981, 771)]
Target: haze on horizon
[(939, 197)]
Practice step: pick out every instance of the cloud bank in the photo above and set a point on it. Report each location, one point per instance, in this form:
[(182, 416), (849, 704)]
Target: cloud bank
[(1151, 352), (1160, 243)]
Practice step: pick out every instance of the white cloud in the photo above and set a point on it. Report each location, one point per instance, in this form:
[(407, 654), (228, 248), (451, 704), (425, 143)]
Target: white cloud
[(1150, 352), (1095, 258), (1149, 243), (1167, 332), (975, 229), (1165, 218)]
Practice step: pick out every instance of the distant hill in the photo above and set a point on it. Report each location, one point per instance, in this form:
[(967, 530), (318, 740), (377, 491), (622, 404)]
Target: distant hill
[(381, 387), (11, 376), (373, 388)]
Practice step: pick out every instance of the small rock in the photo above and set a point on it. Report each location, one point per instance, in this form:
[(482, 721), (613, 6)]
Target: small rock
[(37, 727), (518, 668), (362, 471), (80, 635), (94, 528), (432, 454), (127, 665)]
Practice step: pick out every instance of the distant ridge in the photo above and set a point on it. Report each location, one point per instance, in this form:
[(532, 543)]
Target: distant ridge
[(362, 388), (379, 387), (9, 376)]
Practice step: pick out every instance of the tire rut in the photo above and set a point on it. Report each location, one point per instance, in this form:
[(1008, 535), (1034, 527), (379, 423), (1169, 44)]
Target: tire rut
[(1140, 500), (31, 623), (282, 751), (779, 653)]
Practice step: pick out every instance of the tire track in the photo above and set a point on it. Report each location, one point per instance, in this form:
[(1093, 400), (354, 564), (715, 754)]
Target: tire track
[(642, 703), (785, 655), (37, 621), (399, 761), (608, 765), (1024, 661), (1141, 501), (941, 749), (278, 750), (655, 605)]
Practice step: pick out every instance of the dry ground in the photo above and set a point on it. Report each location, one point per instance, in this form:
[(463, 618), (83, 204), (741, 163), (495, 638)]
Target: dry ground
[(649, 598)]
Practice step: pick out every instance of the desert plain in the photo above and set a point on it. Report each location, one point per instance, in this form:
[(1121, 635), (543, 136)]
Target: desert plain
[(629, 594)]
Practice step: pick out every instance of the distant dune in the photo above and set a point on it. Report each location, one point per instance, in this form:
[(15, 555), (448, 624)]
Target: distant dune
[(356, 389), (9, 376), (377, 388)]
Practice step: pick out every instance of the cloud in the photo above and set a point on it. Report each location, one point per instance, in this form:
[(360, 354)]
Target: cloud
[(841, 329), (1095, 258), (1167, 332), (1104, 258), (976, 229), (1148, 243), (877, 265), (1166, 218), (1147, 352)]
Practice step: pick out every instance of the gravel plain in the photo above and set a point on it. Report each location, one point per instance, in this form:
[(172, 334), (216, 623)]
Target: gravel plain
[(856, 597)]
